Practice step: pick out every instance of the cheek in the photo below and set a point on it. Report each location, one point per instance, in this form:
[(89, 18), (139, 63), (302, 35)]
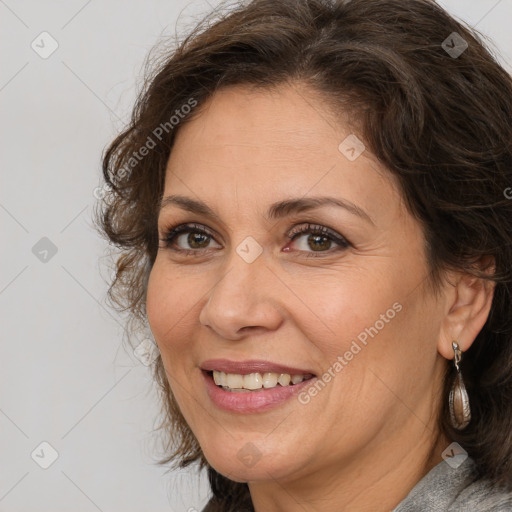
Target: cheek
[(165, 305), (339, 308), (157, 305), (363, 327), (167, 309), (172, 306)]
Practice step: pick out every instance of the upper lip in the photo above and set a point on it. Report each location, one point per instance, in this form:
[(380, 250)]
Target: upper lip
[(251, 366)]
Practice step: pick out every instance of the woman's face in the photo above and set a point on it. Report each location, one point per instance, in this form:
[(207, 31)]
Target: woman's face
[(348, 305)]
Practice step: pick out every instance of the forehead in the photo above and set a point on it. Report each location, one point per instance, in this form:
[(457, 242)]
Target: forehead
[(260, 145), (282, 118)]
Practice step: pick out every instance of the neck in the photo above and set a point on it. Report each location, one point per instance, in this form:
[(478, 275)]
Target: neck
[(374, 480)]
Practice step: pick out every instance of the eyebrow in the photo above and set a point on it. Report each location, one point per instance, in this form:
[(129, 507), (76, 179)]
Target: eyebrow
[(276, 210)]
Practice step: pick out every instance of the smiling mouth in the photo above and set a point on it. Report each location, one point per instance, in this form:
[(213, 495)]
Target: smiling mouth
[(253, 382)]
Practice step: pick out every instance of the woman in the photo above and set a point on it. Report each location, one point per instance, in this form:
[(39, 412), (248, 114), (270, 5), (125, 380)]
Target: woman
[(311, 202)]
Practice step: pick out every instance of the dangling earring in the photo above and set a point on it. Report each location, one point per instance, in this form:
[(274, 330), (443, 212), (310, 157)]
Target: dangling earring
[(460, 412)]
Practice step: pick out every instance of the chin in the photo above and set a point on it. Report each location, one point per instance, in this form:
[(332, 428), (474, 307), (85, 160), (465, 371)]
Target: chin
[(240, 467)]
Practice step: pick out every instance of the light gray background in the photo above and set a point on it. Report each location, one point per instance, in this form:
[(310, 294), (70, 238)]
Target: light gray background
[(65, 376)]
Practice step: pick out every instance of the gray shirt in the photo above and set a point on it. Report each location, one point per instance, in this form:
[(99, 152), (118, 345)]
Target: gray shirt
[(450, 489)]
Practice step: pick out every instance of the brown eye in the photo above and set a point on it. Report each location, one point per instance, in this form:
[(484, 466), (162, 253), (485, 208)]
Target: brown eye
[(197, 240), (187, 237), (319, 239)]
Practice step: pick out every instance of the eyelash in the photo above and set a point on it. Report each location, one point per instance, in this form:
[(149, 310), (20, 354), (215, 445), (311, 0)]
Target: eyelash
[(173, 232)]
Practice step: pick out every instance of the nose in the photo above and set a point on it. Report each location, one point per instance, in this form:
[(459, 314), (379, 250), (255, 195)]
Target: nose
[(243, 300)]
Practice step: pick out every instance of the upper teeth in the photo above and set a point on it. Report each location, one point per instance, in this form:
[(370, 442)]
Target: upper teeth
[(255, 380)]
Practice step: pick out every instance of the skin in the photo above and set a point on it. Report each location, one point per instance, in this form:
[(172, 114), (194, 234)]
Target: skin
[(370, 434)]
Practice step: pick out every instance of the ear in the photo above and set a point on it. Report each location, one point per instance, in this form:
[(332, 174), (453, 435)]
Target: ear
[(468, 302)]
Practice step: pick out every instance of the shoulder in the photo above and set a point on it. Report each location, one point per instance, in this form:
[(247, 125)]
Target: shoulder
[(454, 488), (480, 495)]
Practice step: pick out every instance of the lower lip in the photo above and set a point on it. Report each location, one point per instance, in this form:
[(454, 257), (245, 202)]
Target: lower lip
[(254, 401)]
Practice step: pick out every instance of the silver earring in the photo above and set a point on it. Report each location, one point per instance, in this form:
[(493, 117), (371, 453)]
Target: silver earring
[(460, 412)]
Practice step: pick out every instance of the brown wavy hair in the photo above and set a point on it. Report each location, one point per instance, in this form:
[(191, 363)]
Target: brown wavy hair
[(442, 124)]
